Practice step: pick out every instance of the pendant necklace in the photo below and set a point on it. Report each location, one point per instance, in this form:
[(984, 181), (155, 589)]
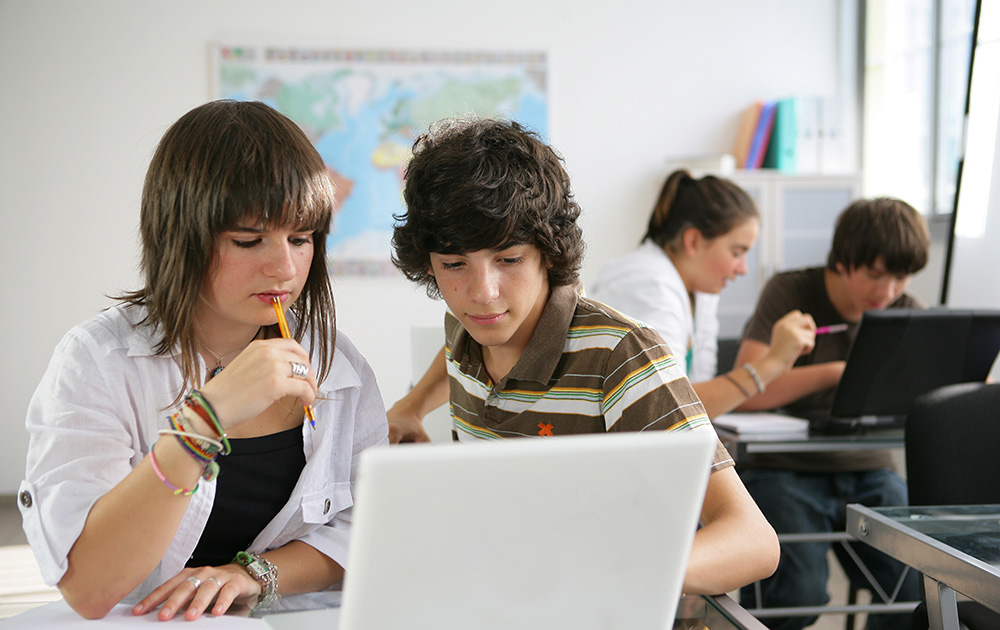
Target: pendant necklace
[(218, 360)]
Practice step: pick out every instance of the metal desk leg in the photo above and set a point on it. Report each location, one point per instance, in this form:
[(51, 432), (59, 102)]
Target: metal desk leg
[(942, 605)]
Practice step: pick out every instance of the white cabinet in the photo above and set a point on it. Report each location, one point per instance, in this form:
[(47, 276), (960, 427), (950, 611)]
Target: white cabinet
[(798, 213)]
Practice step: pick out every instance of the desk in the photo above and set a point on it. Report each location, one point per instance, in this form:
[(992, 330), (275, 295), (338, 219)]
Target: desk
[(957, 548), (694, 612), (741, 446)]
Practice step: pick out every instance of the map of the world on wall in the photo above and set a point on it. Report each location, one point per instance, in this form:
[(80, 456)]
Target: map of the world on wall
[(363, 109)]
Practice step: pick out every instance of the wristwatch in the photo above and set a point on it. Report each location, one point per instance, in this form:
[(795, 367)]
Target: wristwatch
[(262, 570)]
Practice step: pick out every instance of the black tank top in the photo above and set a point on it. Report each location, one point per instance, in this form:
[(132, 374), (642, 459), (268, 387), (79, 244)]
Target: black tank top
[(255, 481)]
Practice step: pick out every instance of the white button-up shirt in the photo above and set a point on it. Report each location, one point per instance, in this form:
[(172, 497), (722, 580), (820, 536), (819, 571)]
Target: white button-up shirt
[(96, 414), (645, 285)]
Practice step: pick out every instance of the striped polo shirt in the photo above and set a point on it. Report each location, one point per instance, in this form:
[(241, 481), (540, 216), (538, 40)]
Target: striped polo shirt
[(587, 369)]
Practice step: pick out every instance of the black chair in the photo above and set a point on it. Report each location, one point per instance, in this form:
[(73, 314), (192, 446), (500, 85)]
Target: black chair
[(726, 353), (952, 435)]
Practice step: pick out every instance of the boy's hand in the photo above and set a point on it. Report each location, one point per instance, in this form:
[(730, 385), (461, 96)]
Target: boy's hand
[(792, 336), (406, 429)]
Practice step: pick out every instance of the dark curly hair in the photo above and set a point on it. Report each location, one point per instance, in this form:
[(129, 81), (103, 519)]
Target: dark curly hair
[(476, 184)]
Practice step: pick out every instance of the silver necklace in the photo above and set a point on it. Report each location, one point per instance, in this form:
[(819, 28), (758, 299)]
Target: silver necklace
[(218, 360)]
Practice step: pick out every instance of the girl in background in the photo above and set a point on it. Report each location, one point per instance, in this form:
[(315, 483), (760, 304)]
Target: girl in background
[(697, 240)]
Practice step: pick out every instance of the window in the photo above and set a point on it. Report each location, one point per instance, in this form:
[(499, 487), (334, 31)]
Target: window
[(916, 68)]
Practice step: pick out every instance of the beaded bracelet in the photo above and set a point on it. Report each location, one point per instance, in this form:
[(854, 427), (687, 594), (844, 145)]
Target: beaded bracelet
[(184, 492), (752, 371), (738, 386), (201, 445), (201, 448), (210, 469)]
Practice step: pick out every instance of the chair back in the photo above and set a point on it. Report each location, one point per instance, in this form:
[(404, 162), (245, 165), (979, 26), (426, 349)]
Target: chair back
[(726, 353), (953, 446)]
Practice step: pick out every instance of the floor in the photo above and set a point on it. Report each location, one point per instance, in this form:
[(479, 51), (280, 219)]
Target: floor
[(837, 587), (19, 575), (21, 585), (10, 523)]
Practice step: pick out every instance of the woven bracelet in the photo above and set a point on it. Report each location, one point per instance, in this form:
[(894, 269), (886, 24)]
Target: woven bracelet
[(738, 386)]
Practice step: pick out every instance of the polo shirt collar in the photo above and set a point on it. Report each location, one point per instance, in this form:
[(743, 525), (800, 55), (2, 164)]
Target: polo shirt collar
[(545, 348)]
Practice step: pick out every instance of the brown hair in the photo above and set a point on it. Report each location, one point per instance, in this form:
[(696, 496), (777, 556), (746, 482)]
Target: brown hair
[(711, 205), (883, 229), (222, 165)]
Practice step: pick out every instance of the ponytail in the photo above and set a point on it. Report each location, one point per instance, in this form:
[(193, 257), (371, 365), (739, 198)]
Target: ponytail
[(657, 230), (711, 205)]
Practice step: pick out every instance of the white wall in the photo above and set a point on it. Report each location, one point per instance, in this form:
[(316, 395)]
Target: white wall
[(88, 86)]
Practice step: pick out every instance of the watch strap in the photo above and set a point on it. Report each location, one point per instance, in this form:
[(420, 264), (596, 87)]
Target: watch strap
[(262, 570)]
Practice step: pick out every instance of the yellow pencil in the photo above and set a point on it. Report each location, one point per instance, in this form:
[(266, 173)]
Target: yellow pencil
[(283, 325)]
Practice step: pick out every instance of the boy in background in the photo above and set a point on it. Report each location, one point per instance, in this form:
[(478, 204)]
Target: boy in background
[(878, 244)]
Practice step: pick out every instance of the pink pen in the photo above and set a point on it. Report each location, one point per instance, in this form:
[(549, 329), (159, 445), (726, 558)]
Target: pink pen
[(834, 328)]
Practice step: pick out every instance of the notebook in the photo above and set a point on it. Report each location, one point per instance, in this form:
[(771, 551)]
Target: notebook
[(590, 531), (762, 424), (899, 354)]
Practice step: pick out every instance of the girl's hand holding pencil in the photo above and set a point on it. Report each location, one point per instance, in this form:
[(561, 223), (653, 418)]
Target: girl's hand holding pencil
[(265, 373), (296, 367)]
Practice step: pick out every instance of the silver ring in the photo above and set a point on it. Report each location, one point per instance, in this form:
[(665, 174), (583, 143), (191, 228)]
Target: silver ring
[(299, 370), (194, 581), (216, 580)]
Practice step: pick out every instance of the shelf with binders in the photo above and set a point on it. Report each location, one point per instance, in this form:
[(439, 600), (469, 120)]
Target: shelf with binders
[(802, 135)]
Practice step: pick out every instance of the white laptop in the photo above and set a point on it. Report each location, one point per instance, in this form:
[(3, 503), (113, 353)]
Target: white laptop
[(580, 532)]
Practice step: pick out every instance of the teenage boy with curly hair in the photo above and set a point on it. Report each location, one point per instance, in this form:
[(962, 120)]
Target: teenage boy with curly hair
[(491, 227)]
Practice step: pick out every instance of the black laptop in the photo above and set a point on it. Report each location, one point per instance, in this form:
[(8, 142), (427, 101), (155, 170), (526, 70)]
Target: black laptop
[(899, 354)]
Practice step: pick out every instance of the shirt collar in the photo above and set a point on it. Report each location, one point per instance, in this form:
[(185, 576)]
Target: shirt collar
[(143, 338), (544, 350)]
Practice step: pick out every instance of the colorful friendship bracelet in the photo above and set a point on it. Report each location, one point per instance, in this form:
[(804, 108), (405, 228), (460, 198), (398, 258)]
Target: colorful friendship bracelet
[(205, 446), (210, 469), (205, 411), (184, 492), (190, 437), (195, 445)]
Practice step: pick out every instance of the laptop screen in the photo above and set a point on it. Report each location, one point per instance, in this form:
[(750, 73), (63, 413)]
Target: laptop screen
[(899, 354), (589, 531)]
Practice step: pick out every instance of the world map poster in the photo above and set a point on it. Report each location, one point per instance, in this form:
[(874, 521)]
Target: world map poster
[(363, 109)]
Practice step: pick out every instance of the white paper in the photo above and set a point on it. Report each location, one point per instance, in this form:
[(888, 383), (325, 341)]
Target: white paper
[(60, 615)]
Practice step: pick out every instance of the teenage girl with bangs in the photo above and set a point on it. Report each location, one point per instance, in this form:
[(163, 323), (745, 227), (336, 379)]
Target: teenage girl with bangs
[(171, 461)]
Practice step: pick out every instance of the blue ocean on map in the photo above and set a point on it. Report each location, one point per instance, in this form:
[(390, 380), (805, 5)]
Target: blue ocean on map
[(363, 111)]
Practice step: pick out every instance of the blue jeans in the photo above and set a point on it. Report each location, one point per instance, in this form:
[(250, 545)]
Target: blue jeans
[(795, 502)]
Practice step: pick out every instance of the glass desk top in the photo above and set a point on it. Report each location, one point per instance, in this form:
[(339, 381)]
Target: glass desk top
[(957, 547), (973, 530)]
